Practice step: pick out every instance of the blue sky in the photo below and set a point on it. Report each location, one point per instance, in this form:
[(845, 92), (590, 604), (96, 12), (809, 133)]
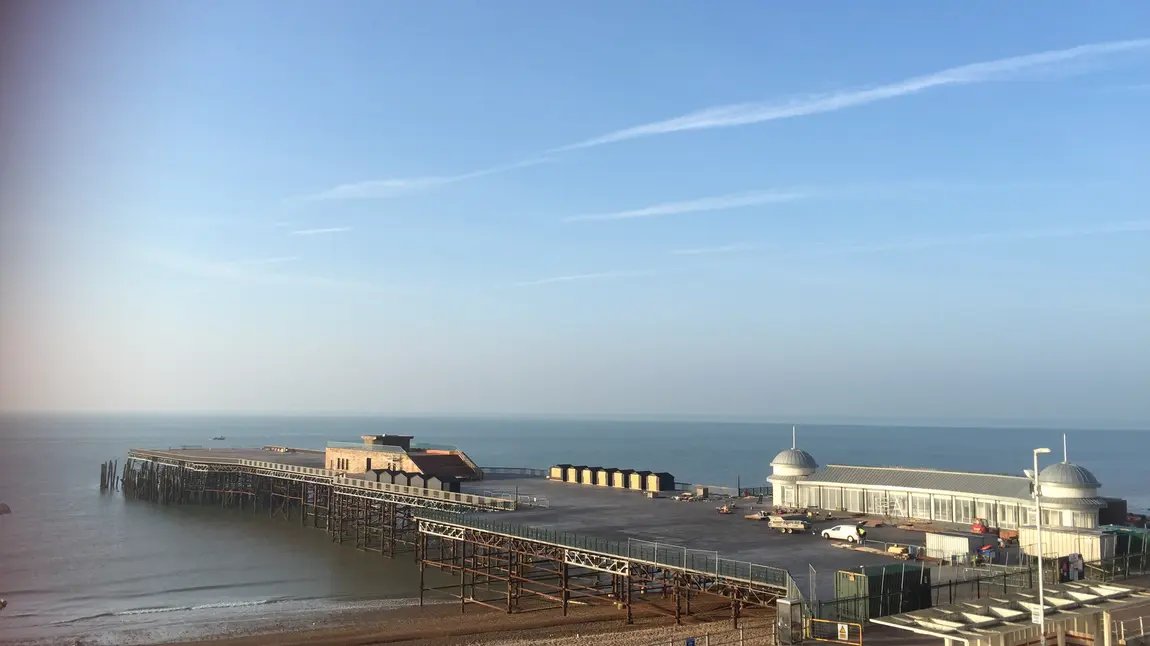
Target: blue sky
[(900, 210)]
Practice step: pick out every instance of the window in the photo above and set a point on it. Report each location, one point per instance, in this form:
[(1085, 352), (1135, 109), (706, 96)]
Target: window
[(1030, 516), (876, 502), (963, 510), (1088, 519), (985, 509), (1007, 515), (920, 506), (832, 498), (942, 509), (808, 496), (855, 500), (899, 504)]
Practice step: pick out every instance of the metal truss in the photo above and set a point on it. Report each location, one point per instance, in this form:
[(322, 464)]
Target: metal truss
[(401, 499), (598, 562)]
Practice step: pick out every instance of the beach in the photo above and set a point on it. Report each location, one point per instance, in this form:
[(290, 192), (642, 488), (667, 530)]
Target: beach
[(443, 624)]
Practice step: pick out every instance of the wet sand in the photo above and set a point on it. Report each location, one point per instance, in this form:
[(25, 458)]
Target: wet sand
[(444, 625)]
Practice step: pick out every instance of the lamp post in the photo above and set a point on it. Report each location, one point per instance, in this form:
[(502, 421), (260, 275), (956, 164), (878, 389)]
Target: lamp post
[(1038, 532)]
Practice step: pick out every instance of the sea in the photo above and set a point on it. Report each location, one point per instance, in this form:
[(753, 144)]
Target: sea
[(76, 564)]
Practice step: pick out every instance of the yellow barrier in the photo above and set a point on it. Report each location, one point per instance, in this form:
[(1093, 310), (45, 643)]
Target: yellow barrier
[(835, 632)]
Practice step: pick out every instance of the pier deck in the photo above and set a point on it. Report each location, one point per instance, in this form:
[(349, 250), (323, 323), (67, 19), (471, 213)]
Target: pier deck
[(618, 515)]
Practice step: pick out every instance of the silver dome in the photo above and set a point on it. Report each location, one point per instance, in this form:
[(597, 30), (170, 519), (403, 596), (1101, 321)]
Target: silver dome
[(1065, 474), (795, 458)]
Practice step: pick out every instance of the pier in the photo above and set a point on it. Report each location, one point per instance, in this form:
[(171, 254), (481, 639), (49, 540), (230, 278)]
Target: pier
[(564, 568), (501, 563), (374, 516)]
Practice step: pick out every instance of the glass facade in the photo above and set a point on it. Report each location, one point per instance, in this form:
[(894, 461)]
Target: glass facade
[(943, 509), (1007, 514), (920, 506)]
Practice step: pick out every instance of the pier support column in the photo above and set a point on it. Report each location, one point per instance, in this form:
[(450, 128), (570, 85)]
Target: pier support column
[(462, 576), (627, 599), (511, 581), (422, 565), (678, 608), (564, 591)]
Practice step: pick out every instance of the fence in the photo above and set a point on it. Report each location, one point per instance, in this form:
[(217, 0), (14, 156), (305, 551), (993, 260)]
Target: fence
[(1119, 567), (1129, 629), (765, 635), (838, 632), (514, 471), (658, 554), (967, 584)]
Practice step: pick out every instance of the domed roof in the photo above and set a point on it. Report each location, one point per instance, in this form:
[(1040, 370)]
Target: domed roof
[(795, 458), (1065, 474)]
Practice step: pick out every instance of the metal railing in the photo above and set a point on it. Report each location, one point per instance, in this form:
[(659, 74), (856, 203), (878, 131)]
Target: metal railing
[(752, 636), (339, 478), (515, 471), (361, 446), (658, 554), (1126, 629), (483, 502)]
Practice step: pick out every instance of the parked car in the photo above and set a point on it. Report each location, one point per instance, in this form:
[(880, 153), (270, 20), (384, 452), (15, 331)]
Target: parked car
[(848, 533)]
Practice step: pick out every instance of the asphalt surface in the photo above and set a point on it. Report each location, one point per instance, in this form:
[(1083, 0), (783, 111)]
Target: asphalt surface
[(617, 515)]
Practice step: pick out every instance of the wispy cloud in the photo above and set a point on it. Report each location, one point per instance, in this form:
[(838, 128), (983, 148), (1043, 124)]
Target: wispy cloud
[(1021, 235), (727, 116), (397, 186), (317, 232), (720, 203), (255, 271), (261, 262), (714, 251), (605, 275)]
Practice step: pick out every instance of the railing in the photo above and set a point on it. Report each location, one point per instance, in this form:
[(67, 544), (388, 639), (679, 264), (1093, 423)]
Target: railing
[(340, 478), (484, 502), (941, 593), (658, 554), (515, 471), (1126, 629), (149, 454), (764, 635), (361, 446)]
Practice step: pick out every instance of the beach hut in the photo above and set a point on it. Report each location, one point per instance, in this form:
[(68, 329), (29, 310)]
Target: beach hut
[(451, 483), (559, 472), (417, 480), (661, 481), (587, 475), (573, 472), (605, 476), (621, 479), (434, 482), (402, 478), (638, 480)]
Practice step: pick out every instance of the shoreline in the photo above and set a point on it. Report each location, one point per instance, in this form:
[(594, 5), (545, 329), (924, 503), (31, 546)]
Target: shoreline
[(442, 624)]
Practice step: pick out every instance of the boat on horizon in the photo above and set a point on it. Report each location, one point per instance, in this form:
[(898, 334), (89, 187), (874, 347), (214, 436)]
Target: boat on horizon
[(219, 437)]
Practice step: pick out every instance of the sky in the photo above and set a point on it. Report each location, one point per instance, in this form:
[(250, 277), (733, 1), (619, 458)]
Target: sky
[(882, 211)]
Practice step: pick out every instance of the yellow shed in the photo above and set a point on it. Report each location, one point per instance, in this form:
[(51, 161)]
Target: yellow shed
[(604, 477), (638, 480), (573, 473), (661, 481), (621, 479), (589, 475), (559, 472)]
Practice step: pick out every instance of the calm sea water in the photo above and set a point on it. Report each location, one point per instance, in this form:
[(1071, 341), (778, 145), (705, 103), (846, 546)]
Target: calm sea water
[(75, 563)]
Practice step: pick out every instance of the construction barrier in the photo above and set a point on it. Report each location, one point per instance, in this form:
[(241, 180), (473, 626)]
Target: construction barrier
[(835, 632)]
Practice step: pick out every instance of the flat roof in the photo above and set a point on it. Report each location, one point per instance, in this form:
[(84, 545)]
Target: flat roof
[(618, 514), (985, 485), (985, 620)]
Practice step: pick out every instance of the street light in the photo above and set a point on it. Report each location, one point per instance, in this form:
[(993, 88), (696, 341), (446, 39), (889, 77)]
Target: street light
[(1038, 532)]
